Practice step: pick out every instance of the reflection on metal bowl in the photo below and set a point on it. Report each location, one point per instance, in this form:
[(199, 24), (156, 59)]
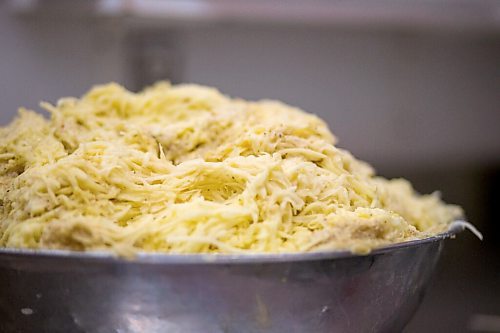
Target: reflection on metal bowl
[(60, 291)]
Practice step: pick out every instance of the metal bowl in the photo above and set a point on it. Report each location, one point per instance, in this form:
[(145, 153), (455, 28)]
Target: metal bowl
[(62, 291)]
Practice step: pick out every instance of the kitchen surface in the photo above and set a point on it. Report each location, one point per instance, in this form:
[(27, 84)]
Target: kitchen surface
[(411, 87)]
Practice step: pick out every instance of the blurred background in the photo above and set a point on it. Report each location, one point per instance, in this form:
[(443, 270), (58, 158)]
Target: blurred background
[(413, 87)]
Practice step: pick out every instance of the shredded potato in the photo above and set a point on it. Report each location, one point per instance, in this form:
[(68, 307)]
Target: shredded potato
[(185, 169)]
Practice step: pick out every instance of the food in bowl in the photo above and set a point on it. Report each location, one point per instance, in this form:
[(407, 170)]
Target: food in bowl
[(186, 169)]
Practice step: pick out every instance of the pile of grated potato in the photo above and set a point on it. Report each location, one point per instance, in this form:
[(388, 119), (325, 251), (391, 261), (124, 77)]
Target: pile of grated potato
[(185, 169)]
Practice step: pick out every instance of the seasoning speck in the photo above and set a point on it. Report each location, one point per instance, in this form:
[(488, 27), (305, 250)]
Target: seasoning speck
[(27, 311)]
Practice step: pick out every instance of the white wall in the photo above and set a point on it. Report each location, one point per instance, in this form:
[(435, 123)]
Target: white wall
[(44, 59)]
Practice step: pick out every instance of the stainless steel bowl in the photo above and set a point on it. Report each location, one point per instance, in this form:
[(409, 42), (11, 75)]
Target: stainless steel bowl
[(60, 291)]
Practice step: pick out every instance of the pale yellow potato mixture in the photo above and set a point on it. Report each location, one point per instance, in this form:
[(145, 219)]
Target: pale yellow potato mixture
[(185, 169)]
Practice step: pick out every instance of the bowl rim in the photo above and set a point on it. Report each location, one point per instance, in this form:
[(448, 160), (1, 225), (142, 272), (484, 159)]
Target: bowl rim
[(210, 258)]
